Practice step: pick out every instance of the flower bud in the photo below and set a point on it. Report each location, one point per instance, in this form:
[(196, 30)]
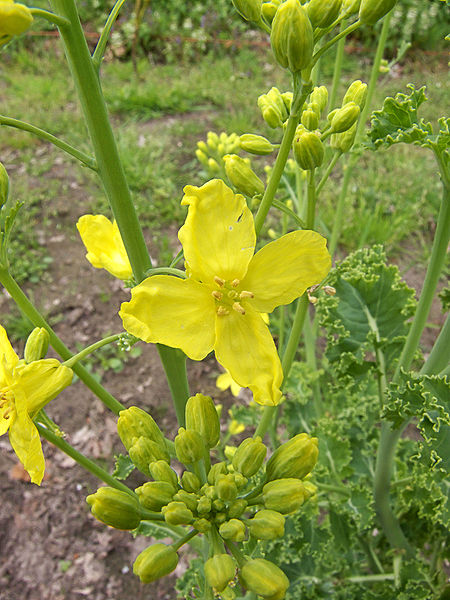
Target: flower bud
[(145, 451), (345, 117), (240, 480), (202, 157), (217, 469), (249, 456), (190, 500), (250, 10), (204, 505), (255, 144), (287, 99), (310, 119), (310, 489), (236, 508), (155, 494), (201, 416), (308, 149), (177, 513), (350, 7), (284, 495), (271, 115), (189, 446), (319, 95), (37, 345), (264, 578), (275, 97), (233, 530), (268, 10), (115, 508), (202, 146), (267, 525), (134, 423), (292, 37), (322, 13), (218, 505), (357, 93), (295, 458), (343, 141), (202, 525), (14, 19), (372, 11), (242, 176), (219, 571), (212, 140), (160, 471), (213, 165), (220, 518), (190, 482), (209, 491), (226, 487), (4, 185), (154, 562)]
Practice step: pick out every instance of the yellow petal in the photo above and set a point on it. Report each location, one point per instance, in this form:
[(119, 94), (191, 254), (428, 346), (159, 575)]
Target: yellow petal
[(282, 270), (40, 382), (6, 351), (14, 18), (218, 236), (104, 245), (246, 349), (176, 312), (25, 441)]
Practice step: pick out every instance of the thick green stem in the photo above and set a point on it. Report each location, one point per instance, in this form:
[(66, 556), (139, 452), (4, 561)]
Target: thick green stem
[(89, 349), (439, 356), (174, 363), (371, 578), (336, 156), (27, 309), (49, 16), (101, 44), (338, 61)]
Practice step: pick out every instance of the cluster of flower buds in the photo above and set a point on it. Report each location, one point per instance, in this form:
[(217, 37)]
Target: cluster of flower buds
[(275, 107), (210, 153), (343, 121), (227, 501)]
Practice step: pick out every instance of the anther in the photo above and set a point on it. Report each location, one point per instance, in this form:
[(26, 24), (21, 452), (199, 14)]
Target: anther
[(220, 282), (235, 282), (329, 290), (238, 308), (217, 295), (222, 311), (245, 294)]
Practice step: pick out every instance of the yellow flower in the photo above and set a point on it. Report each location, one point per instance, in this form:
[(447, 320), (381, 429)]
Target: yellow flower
[(24, 390), (235, 428), (104, 245), (218, 307), (14, 19), (225, 381)]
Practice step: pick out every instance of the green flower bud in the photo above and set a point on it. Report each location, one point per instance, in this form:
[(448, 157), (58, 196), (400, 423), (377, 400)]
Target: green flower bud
[(236, 508), (134, 423), (322, 13), (250, 10), (220, 518), (115, 508), (295, 458), (213, 165), (264, 578), (233, 530), (372, 11), (37, 345), (350, 7), (331, 114), (343, 141), (190, 482), (319, 95), (249, 456), (209, 491), (255, 144), (267, 525), (189, 446), (154, 562), (271, 115), (269, 9), (310, 119), (310, 489), (144, 451), (240, 480), (201, 416), (155, 494), (4, 185), (204, 505), (217, 469), (287, 99), (202, 146), (275, 97), (160, 471), (177, 513), (345, 117), (308, 149), (218, 505), (202, 525), (226, 487), (284, 495), (292, 37), (191, 500), (212, 140), (202, 157), (242, 176), (219, 571), (357, 93)]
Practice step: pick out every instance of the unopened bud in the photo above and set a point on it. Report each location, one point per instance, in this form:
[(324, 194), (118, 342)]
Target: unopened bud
[(115, 508), (319, 95), (296, 458), (310, 119), (292, 37), (271, 115), (287, 99), (345, 117), (344, 141), (155, 494), (177, 513), (275, 97), (322, 14), (267, 525), (37, 345), (372, 11), (160, 471), (213, 165), (269, 9), (134, 423), (190, 482), (14, 19), (240, 480), (217, 469), (350, 7), (284, 495), (145, 451), (190, 500), (357, 93), (189, 446), (242, 176), (201, 416), (255, 144), (202, 157), (4, 185), (202, 525), (249, 456), (226, 487), (250, 10), (204, 505), (236, 508), (308, 149), (233, 530), (219, 571), (262, 577), (154, 562)]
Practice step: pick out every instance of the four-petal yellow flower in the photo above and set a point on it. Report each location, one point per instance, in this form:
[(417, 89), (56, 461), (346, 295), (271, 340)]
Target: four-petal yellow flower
[(219, 305), (24, 390)]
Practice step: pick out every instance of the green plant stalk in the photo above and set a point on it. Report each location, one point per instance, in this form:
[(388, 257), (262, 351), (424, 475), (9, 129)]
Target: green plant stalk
[(336, 156), (174, 363), (371, 578), (310, 349), (111, 172), (184, 540), (89, 349), (86, 160), (439, 356), (166, 271), (103, 40), (27, 309), (338, 61), (343, 33), (49, 16)]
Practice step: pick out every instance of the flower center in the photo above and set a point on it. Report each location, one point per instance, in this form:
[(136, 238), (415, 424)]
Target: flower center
[(228, 296)]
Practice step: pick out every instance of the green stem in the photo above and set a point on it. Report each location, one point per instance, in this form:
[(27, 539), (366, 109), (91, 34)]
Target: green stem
[(371, 578), (103, 40), (440, 354), (50, 17), (88, 161), (166, 271), (336, 156), (82, 460), (301, 91), (334, 488), (27, 309), (184, 540), (238, 555), (336, 38), (288, 212), (381, 363), (89, 349), (312, 197), (338, 61), (174, 363), (339, 213)]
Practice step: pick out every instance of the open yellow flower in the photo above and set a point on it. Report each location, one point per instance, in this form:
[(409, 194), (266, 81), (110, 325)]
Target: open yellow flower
[(24, 390), (104, 245), (219, 305), (14, 19)]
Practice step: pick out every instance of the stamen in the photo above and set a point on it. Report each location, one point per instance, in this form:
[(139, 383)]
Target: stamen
[(217, 295), (246, 294), (329, 290), (222, 311), (238, 308), (235, 282), (232, 294), (220, 282)]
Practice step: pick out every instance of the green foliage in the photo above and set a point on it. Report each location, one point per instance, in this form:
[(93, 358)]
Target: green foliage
[(124, 466)]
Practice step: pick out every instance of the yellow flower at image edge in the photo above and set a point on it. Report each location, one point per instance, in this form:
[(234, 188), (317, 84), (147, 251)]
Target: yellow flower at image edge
[(104, 245), (14, 19), (218, 307), (24, 390)]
